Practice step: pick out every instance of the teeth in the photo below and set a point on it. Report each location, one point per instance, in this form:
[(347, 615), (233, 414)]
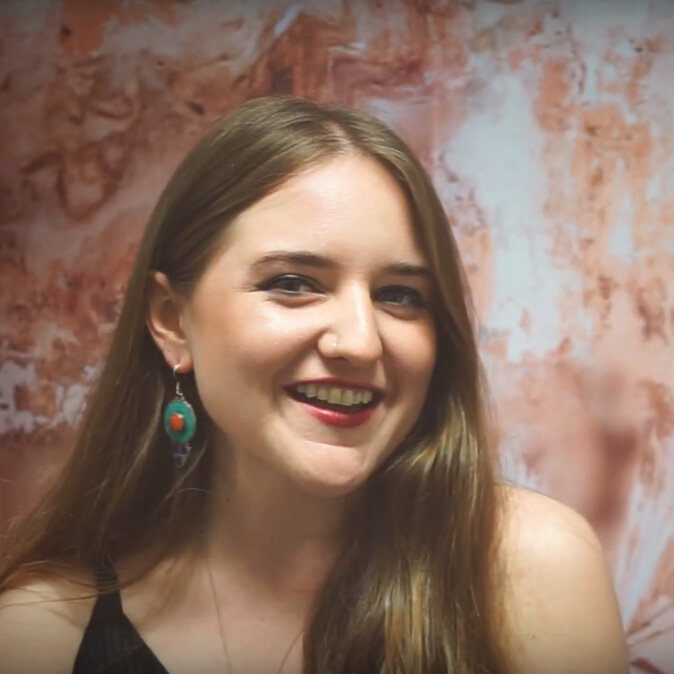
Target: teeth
[(335, 396)]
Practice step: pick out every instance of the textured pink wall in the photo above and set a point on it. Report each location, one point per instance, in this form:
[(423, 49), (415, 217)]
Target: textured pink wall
[(549, 130)]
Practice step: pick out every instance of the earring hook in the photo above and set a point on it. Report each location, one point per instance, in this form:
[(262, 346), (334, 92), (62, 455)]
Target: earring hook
[(179, 393)]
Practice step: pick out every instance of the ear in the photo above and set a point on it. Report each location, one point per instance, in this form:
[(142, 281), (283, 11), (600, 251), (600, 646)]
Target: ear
[(164, 321)]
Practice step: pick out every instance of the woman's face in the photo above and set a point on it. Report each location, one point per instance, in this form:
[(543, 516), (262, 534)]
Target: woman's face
[(319, 291)]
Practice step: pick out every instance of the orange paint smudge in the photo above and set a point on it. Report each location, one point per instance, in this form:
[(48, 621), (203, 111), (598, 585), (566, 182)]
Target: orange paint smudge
[(83, 22), (552, 107)]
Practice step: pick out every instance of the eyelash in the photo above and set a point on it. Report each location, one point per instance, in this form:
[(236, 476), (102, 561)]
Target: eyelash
[(274, 283), (415, 298)]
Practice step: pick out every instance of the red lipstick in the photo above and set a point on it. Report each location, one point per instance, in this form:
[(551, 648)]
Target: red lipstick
[(341, 419), (331, 415)]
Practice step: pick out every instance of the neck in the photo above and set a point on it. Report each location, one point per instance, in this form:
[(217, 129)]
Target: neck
[(268, 528)]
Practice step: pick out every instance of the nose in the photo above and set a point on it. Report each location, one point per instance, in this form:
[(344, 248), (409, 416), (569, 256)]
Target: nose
[(352, 332)]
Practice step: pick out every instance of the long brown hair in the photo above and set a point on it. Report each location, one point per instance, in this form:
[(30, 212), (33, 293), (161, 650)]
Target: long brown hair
[(417, 587)]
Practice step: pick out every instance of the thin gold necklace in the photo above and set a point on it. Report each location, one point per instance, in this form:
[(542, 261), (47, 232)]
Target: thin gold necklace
[(221, 630)]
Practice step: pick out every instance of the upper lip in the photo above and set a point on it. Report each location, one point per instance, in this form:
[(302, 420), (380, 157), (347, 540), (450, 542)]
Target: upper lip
[(341, 383)]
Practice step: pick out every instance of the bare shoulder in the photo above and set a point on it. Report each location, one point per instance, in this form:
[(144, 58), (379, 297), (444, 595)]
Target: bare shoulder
[(530, 514), (560, 606), (42, 621)]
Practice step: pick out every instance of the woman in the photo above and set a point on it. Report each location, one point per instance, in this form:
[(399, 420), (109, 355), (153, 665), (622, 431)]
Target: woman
[(284, 466)]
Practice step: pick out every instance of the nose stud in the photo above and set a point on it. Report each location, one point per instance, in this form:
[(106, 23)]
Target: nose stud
[(328, 344)]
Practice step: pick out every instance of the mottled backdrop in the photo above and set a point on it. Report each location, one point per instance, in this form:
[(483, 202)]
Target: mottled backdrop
[(548, 128)]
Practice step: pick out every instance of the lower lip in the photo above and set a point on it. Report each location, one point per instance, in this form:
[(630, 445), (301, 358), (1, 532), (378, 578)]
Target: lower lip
[(334, 418)]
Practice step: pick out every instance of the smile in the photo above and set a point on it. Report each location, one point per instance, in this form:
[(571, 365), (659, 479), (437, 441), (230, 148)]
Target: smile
[(336, 405)]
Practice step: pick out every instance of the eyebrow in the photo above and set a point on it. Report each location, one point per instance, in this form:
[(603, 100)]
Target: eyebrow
[(307, 259)]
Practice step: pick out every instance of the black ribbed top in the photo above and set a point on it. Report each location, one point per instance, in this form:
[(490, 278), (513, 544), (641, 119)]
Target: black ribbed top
[(111, 644)]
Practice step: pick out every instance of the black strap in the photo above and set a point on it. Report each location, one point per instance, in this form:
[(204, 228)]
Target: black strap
[(111, 644), (109, 603)]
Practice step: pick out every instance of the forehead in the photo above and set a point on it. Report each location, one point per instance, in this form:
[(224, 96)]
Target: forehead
[(348, 205)]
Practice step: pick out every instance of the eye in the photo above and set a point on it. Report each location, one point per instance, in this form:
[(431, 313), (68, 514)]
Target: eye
[(290, 284), (401, 296)]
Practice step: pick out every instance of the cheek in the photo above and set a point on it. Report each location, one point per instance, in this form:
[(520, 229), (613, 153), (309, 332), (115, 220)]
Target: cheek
[(247, 347), (270, 341), (417, 353)]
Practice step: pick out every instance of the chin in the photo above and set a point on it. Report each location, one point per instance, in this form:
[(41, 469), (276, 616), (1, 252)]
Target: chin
[(333, 483)]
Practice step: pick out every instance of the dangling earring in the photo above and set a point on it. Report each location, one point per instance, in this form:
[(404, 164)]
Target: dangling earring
[(180, 423)]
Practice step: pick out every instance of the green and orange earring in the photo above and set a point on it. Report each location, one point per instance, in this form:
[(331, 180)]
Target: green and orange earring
[(180, 424)]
